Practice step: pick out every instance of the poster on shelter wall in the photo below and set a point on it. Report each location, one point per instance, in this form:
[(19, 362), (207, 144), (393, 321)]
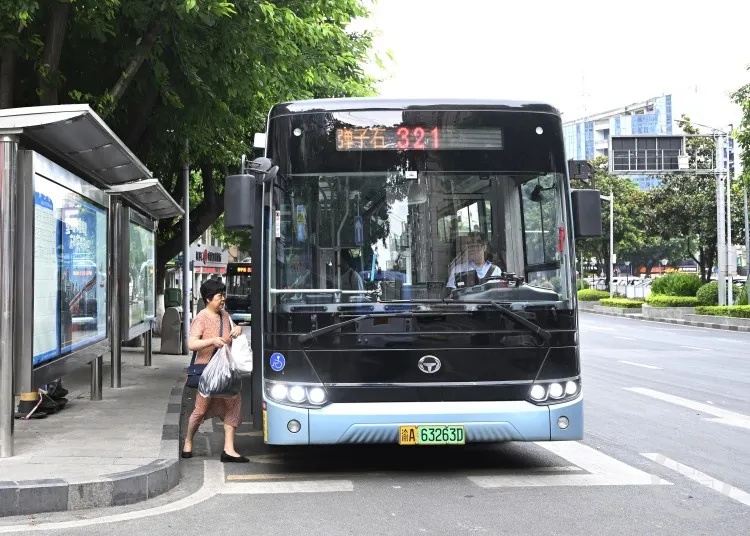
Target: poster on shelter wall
[(70, 266), (141, 289), (46, 327)]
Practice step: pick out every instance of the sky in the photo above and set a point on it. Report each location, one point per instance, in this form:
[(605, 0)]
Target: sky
[(582, 56)]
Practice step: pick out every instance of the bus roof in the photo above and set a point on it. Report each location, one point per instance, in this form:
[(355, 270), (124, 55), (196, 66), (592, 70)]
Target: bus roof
[(376, 103)]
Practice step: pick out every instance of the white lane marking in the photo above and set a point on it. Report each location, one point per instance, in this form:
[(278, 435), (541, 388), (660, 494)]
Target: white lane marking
[(562, 480), (640, 365), (213, 481), (702, 478), (603, 471), (723, 416), (625, 338), (299, 486), (729, 340), (695, 348)]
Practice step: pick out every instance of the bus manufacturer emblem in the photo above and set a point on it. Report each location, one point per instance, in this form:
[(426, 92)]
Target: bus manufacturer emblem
[(429, 364)]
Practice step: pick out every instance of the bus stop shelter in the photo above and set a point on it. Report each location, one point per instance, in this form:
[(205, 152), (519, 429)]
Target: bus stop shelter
[(79, 214)]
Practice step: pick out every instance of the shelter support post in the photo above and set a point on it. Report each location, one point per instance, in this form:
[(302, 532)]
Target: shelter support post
[(147, 348), (8, 155), (115, 270), (96, 378)]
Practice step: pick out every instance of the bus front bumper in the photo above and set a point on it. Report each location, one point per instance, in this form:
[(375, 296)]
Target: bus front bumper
[(380, 422)]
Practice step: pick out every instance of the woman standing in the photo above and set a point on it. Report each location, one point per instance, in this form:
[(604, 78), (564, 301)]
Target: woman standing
[(205, 340)]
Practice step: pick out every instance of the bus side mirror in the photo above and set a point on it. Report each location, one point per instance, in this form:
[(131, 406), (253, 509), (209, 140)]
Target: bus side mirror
[(240, 193), (587, 213)]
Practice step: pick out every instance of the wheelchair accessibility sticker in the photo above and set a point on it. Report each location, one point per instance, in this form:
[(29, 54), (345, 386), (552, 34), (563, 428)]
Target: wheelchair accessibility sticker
[(277, 362)]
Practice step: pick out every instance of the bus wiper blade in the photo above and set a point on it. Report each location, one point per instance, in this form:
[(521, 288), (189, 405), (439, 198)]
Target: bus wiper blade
[(333, 327), (541, 332)]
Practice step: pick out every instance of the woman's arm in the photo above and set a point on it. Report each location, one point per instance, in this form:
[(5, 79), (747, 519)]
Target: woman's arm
[(196, 344)]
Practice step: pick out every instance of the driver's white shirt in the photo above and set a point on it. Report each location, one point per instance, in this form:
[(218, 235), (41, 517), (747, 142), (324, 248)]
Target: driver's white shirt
[(482, 271)]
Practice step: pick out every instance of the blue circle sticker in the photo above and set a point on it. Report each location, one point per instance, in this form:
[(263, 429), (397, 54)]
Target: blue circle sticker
[(277, 362)]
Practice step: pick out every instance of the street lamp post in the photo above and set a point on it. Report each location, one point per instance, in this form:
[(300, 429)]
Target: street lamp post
[(627, 279), (723, 215), (611, 199)]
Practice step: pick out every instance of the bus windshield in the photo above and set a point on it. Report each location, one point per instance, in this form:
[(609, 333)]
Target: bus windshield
[(391, 237)]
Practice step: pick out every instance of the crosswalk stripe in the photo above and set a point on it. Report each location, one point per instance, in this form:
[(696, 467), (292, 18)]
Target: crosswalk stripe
[(702, 478), (299, 486)]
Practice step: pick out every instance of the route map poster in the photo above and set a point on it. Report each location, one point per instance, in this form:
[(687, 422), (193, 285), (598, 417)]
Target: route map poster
[(142, 276), (70, 256)]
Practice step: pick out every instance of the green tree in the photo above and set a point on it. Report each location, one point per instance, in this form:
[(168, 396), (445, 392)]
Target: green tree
[(161, 73), (741, 97), (628, 228), (685, 204)]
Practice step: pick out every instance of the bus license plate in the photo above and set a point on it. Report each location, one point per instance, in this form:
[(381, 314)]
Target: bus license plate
[(437, 434)]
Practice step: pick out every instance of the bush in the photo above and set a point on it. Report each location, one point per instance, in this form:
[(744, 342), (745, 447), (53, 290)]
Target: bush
[(708, 294), (660, 300), (676, 285), (742, 296), (582, 284), (623, 303), (735, 311), (592, 295)]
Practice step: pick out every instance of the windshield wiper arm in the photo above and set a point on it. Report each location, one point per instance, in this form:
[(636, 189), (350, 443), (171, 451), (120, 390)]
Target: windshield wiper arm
[(333, 327), (541, 332)]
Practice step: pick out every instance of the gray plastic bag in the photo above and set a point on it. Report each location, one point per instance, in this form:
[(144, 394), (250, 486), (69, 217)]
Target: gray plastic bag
[(220, 379)]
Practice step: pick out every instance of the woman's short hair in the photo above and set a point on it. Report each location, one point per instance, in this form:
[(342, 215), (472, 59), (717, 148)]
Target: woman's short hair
[(211, 288)]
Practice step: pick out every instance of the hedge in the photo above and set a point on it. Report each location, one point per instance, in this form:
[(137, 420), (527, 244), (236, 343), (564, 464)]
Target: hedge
[(621, 302), (660, 300), (592, 295), (735, 311), (708, 294)]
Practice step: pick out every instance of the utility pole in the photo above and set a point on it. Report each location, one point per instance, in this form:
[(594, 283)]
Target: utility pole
[(186, 274), (730, 269), (611, 199)]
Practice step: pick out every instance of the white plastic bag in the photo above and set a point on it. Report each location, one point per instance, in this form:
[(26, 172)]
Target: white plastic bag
[(242, 355), (219, 378)]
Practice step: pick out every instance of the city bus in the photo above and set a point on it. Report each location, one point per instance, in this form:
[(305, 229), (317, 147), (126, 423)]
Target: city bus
[(238, 302), (460, 215)]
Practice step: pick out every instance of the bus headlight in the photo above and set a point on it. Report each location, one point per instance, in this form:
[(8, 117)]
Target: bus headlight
[(316, 395), (571, 388), (296, 394), (554, 392), (538, 392), (278, 391)]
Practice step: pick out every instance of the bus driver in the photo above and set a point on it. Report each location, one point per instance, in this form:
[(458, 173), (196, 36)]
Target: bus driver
[(471, 266)]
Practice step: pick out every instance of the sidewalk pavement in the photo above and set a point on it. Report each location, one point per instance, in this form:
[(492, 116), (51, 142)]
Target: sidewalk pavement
[(119, 450)]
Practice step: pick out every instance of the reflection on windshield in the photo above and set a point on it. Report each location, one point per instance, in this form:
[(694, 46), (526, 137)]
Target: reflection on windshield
[(380, 237)]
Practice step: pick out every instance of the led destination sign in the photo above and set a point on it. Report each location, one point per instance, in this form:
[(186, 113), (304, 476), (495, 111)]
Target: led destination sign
[(417, 138)]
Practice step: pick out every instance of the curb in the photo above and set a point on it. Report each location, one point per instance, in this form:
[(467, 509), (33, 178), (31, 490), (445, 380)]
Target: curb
[(116, 489), (678, 321)]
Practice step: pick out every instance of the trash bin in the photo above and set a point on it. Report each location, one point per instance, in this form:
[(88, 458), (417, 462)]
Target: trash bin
[(172, 297), (171, 331)]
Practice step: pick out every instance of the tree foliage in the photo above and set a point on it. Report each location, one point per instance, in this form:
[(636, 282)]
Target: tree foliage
[(163, 73), (629, 218), (741, 97), (685, 205)]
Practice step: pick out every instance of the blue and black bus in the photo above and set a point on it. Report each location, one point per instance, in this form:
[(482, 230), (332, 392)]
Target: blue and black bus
[(414, 276)]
